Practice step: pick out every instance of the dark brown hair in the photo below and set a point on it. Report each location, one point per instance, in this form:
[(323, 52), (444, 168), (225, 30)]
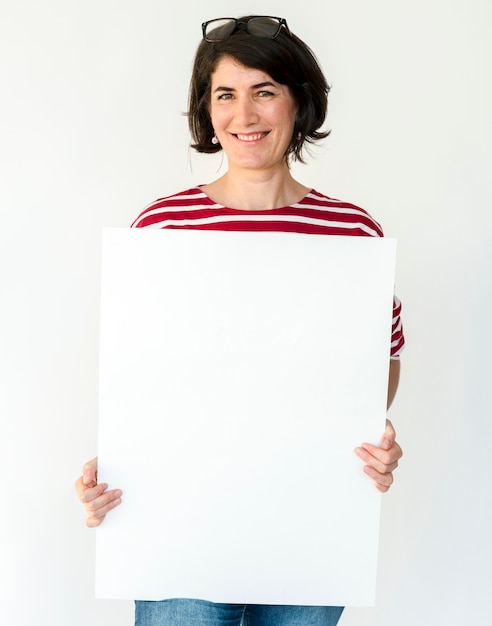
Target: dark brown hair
[(287, 59)]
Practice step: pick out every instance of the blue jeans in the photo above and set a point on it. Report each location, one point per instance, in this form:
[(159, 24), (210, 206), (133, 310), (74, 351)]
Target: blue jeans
[(184, 612)]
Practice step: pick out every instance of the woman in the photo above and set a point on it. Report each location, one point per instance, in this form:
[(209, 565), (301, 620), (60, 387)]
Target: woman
[(258, 93)]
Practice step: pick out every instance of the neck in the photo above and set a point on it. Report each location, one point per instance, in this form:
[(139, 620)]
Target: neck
[(256, 191)]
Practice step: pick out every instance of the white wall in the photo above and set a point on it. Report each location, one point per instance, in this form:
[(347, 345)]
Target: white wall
[(90, 132)]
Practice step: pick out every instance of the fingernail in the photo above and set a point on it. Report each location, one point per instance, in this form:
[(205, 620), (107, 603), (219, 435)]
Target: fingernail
[(387, 443), (358, 451)]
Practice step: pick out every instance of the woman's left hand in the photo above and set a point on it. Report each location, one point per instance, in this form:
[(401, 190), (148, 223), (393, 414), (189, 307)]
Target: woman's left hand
[(381, 461)]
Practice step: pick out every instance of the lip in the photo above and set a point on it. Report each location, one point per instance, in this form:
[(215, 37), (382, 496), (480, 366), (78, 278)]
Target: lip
[(251, 137)]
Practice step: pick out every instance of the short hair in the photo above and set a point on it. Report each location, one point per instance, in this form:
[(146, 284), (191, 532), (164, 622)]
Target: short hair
[(287, 59)]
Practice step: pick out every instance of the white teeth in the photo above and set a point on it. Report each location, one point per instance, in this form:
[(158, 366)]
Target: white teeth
[(251, 137)]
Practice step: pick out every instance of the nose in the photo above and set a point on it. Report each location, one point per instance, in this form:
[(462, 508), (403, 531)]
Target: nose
[(246, 112)]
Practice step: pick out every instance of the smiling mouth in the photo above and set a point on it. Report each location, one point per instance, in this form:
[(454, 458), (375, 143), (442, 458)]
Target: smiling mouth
[(251, 136)]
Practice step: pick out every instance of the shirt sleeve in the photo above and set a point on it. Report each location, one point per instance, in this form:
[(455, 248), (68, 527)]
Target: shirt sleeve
[(397, 337)]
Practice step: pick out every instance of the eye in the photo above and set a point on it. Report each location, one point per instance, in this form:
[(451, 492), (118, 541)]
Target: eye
[(225, 96), (265, 94)]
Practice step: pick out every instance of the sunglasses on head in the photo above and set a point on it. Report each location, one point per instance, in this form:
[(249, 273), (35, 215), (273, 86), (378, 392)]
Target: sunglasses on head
[(258, 25)]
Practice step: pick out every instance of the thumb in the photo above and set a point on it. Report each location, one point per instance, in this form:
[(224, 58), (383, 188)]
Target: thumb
[(89, 473), (89, 480), (389, 436)]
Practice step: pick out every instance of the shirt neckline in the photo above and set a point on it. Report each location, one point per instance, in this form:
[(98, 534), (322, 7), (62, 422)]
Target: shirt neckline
[(251, 211)]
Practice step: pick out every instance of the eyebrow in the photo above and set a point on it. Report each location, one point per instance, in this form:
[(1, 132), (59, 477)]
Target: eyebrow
[(257, 86)]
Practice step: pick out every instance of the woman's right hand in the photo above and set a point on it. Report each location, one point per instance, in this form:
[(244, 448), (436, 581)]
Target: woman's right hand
[(94, 497)]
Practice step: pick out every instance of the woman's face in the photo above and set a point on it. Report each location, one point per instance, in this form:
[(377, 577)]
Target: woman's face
[(253, 116)]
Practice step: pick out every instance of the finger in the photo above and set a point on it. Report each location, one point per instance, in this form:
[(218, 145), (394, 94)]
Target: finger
[(91, 494), (381, 460), (383, 481), (97, 517), (79, 486), (374, 455), (385, 456), (382, 488), (102, 501), (85, 493)]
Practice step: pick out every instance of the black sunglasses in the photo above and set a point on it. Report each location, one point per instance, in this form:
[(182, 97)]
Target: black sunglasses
[(258, 25)]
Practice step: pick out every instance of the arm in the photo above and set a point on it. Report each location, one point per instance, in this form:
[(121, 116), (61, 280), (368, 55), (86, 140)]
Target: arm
[(393, 380), (94, 497), (382, 461)]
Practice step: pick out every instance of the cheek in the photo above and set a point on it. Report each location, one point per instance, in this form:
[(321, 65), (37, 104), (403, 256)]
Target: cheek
[(290, 120), (217, 116), (289, 113)]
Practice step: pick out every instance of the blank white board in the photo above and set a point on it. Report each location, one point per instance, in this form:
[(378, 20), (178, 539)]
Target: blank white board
[(238, 373)]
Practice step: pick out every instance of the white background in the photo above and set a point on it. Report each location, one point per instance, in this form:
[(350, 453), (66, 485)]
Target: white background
[(91, 131)]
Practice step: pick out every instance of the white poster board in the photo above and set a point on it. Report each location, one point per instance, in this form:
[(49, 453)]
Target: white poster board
[(238, 373)]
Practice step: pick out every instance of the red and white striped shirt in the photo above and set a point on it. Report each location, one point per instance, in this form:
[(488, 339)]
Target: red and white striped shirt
[(314, 214)]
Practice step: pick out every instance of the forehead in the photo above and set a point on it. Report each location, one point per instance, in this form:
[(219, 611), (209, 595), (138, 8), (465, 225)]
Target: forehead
[(235, 73)]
